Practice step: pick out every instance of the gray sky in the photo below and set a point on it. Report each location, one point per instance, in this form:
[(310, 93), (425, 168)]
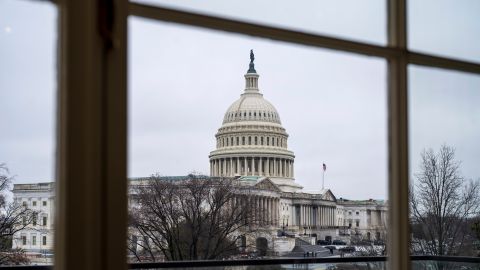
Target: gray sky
[(182, 80)]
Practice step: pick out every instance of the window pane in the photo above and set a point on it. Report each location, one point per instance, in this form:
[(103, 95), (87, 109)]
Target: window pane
[(357, 20), (28, 83), (444, 146), (195, 105), (445, 27)]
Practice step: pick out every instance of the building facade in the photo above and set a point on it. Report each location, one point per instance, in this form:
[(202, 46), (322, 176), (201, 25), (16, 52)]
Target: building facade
[(38, 236)]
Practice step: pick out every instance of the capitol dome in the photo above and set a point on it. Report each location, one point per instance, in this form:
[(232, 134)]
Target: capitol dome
[(252, 142), (251, 107)]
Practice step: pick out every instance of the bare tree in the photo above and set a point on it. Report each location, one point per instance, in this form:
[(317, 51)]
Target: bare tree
[(441, 203), (13, 218), (198, 218)]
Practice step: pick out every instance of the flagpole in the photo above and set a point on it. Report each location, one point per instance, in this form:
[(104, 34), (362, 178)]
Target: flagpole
[(323, 176)]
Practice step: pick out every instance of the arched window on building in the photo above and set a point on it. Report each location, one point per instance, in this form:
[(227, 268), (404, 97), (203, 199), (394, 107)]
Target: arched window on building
[(243, 140), (261, 140), (249, 140), (256, 140), (268, 140)]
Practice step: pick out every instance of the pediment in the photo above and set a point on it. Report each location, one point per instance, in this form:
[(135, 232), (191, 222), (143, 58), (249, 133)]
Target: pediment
[(328, 196), (267, 184)]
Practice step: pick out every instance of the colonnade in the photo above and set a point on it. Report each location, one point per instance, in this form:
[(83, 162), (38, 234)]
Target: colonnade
[(264, 210), (314, 216), (261, 166)]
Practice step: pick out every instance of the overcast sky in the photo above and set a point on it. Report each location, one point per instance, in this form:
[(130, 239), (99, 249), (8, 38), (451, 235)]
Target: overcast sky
[(183, 79)]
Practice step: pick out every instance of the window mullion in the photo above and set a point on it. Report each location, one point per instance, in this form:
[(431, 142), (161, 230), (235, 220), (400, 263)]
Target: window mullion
[(91, 200), (399, 236)]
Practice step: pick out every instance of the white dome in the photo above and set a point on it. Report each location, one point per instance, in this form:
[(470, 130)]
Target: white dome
[(251, 107), (251, 141)]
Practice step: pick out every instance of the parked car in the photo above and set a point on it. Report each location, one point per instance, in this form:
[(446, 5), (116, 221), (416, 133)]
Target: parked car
[(339, 243), (347, 249), (323, 242)]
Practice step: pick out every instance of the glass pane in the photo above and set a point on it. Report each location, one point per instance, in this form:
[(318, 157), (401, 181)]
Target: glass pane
[(444, 146), (28, 83), (254, 128), (351, 19), (445, 27)]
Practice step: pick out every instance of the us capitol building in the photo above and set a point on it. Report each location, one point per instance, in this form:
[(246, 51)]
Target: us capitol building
[(251, 146)]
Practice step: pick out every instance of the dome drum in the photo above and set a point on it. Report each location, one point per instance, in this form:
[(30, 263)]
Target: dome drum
[(266, 166)]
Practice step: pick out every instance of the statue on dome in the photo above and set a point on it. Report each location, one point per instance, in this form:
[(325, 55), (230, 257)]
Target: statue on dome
[(251, 65)]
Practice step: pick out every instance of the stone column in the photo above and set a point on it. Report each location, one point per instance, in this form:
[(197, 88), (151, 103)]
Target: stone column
[(304, 218), (278, 211), (214, 167), (237, 169), (231, 167), (267, 167), (275, 211), (270, 212), (279, 164), (321, 216), (326, 215), (274, 166), (220, 167), (293, 215), (245, 166), (301, 216), (310, 216), (289, 168), (264, 211), (252, 167), (307, 215), (329, 216), (293, 169), (267, 211), (224, 167), (334, 216), (260, 167)]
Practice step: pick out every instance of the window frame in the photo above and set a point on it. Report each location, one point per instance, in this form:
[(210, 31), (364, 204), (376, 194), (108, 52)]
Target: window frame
[(92, 105)]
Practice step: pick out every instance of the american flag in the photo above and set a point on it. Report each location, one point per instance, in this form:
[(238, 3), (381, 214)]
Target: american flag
[(324, 167)]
